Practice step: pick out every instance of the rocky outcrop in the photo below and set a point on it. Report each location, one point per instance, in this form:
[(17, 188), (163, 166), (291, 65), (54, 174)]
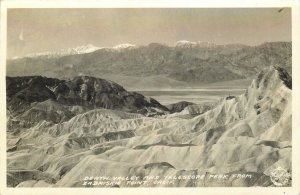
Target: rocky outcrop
[(82, 91), (100, 93), (31, 100), (179, 106)]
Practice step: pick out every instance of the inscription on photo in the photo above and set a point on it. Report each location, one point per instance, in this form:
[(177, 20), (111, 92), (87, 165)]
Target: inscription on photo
[(157, 180)]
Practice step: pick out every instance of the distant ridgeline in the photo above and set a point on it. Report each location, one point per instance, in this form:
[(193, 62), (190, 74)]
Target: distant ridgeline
[(192, 63)]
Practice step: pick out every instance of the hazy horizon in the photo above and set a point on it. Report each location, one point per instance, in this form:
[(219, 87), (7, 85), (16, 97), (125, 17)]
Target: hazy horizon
[(39, 30)]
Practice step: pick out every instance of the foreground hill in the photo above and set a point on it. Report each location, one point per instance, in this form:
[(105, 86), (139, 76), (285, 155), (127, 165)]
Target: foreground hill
[(35, 98), (193, 64), (245, 135)]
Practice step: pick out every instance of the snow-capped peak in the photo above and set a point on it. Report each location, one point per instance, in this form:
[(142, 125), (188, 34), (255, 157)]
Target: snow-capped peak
[(91, 48), (77, 50), (64, 52), (185, 43), (84, 49), (124, 46)]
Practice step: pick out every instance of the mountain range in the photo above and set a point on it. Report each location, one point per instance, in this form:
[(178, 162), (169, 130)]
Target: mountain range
[(186, 62)]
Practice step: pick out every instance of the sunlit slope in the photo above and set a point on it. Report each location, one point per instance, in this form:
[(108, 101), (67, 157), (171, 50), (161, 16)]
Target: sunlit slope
[(250, 133)]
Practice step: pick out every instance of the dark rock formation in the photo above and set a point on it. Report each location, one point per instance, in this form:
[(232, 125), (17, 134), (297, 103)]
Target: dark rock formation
[(85, 91), (179, 106)]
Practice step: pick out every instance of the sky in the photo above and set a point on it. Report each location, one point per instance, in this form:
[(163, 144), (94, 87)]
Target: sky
[(39, 30)]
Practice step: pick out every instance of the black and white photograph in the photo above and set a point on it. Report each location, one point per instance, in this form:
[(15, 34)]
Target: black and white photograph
[(149, 97)]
